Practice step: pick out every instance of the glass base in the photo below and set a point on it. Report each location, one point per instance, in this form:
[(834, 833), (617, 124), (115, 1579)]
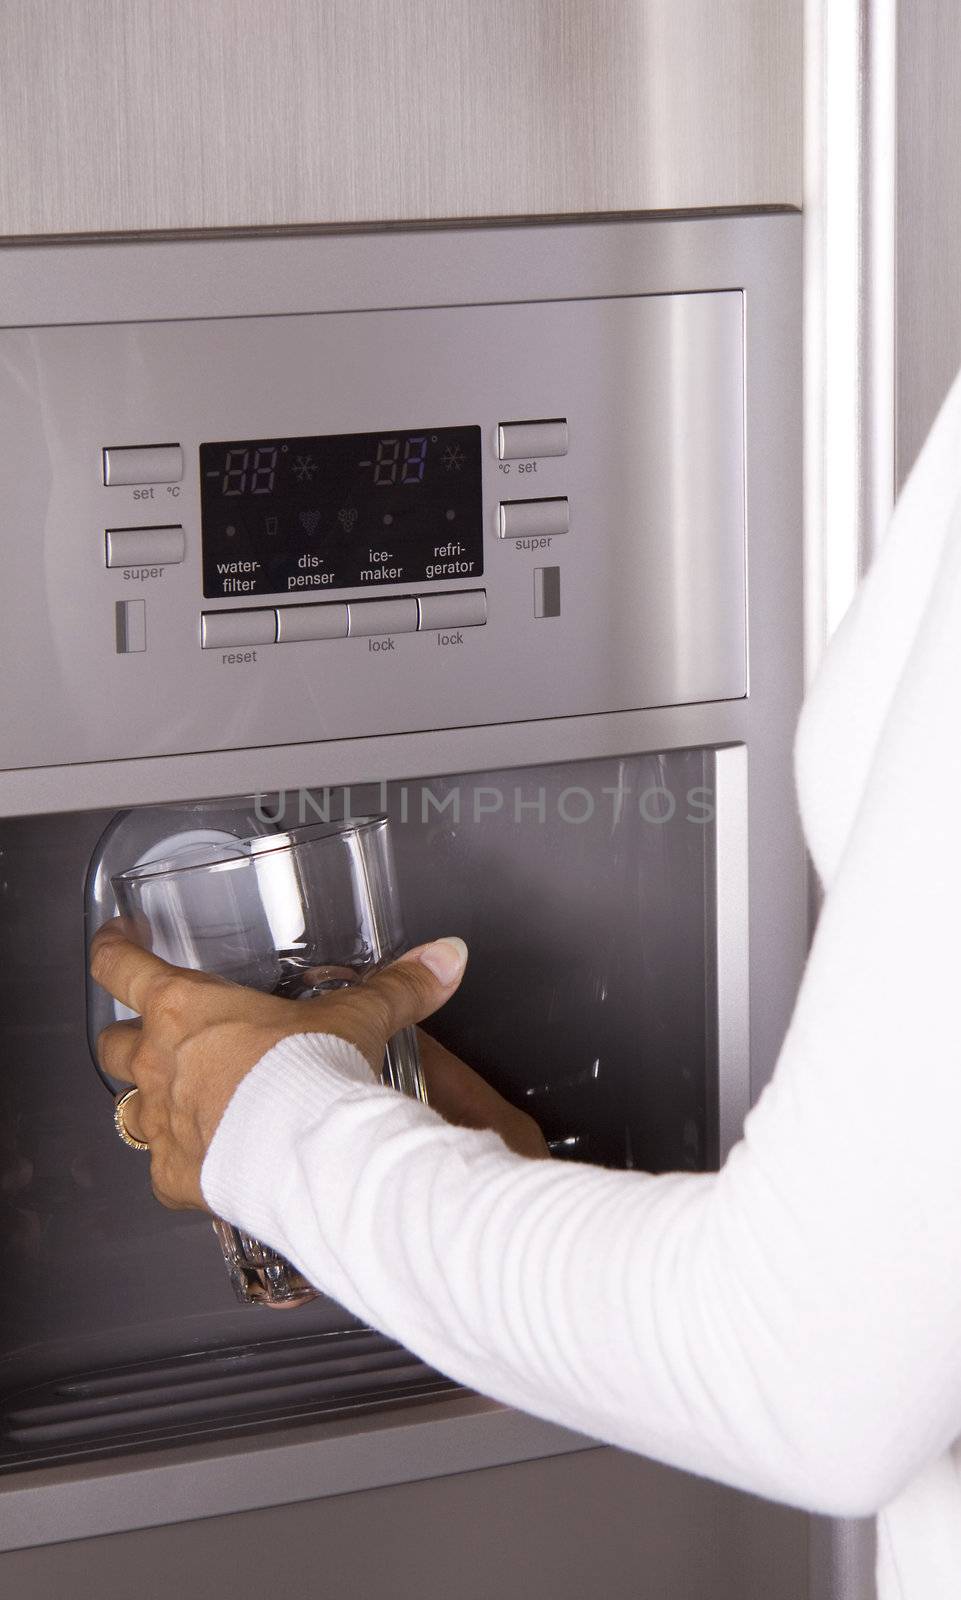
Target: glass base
[(258, 1274)]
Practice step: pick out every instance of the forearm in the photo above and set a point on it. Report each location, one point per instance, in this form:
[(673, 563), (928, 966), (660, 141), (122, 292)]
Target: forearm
[(692, 1318)]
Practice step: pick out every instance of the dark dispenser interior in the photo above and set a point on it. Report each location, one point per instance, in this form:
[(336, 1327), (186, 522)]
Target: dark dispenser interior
[(586, 893)]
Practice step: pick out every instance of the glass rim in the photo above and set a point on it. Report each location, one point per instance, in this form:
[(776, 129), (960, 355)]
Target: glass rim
[(243, 852)]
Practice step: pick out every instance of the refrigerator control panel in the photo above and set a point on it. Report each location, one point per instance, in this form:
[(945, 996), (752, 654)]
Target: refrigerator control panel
[(238, 532)]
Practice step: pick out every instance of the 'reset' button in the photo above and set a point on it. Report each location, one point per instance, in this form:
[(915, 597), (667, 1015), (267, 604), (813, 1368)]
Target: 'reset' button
[(518, 440), (150, 463), (144, 547), (225, 630), (533, 519), (466, 608), (382, 616)]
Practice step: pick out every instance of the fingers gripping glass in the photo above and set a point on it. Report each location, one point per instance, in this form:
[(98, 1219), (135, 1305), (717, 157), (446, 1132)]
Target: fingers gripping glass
[(294, 914)]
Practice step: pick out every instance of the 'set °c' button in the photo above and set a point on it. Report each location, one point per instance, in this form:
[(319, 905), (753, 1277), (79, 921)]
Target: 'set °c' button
[(124, 465)]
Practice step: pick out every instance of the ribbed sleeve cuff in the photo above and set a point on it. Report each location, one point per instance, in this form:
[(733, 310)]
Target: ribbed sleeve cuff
[(288, 1092)]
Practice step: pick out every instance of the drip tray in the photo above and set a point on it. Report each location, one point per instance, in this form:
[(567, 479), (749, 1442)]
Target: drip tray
[(210, 1394)]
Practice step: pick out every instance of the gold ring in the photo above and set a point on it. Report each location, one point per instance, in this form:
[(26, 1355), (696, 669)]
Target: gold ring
[(120, 1123)]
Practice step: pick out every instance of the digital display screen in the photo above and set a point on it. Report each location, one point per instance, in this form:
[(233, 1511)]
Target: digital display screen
[(351, 510)]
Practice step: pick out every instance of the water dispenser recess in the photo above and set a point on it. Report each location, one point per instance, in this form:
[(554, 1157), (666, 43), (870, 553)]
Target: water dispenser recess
[(591, 1001)]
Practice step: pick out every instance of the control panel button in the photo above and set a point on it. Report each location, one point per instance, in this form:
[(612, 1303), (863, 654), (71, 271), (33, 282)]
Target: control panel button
[(466, 609), (145, 547), (225, 630), (533, 519), (297, 623), (518, 440), (131, 622), (382, 616), (149, 463)]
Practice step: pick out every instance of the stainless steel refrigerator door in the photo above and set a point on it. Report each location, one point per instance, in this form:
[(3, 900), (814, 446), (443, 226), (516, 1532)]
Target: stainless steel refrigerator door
[(760, 873), (193, 116)]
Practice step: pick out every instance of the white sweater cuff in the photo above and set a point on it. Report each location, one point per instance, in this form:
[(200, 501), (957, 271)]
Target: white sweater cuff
[(289, 1090)]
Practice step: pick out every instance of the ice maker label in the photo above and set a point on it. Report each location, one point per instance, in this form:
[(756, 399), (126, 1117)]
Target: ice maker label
[(284, 516)]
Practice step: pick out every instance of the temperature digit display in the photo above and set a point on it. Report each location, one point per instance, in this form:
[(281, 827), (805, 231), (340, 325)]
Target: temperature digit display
[(341, 511)]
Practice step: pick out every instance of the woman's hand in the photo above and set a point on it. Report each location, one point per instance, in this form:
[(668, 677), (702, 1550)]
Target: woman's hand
[(199, 1035)]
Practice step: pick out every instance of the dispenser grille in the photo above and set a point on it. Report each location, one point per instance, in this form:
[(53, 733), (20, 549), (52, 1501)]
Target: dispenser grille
[(210, 1394)]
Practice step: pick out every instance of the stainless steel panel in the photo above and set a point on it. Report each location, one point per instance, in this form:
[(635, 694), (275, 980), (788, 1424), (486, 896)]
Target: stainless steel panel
[(758, 255), (729, 909), (143, 117), (655, 569), (143, 281), (596, 1523), (928, 348), (843, 1557)]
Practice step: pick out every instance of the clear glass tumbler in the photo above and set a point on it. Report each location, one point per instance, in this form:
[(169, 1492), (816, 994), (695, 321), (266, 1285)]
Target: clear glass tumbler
[(295, 914)]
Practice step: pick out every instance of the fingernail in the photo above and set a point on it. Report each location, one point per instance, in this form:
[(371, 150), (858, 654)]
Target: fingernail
[(446, 959)]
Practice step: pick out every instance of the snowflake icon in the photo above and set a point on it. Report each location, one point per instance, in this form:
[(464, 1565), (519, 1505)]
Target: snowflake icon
[(304, 469), (453, 458)]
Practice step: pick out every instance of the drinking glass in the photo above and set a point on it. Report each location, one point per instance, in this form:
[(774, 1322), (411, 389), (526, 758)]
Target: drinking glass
[(295, 914)]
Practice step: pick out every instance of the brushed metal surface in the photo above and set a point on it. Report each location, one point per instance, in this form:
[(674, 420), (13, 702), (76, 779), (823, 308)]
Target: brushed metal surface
[(593, 1522), (655, 566), (842, 1559), (130, 115), (758, 253), (731, 914), (928, 217)]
